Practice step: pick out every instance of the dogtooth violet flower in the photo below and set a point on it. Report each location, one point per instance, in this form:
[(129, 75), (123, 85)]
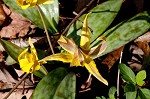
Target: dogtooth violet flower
[(80, 56), (30, 3), (29, 60)]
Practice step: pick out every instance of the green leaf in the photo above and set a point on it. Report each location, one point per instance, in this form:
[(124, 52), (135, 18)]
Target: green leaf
[(14, 51), (112, 92), (140, 77), (102, 97), (129, 87), (98, 21), (125, 32), (98, 98), (50, 13), (138, 97), (127, 74), (11, 49), (144, 93), (131, 95), (58, 84)]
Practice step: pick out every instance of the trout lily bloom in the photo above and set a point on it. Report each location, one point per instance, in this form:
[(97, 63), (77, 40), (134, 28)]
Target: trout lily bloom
[(29, 61), (30, 3), (80, 56)]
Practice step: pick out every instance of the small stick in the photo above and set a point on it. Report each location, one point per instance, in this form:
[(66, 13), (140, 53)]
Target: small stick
[(80, 13), (19, 82), (45, 28), (118, 78)]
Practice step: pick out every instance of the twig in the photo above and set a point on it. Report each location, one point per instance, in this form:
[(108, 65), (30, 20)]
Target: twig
[(80, 13), (45, 28), (15, 86), (118, 78), (89, 77)]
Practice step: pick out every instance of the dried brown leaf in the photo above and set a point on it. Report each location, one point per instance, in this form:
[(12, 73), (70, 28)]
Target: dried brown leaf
[(14, 25), (112, 57), (2, 14), (17, 94), (143, 43)]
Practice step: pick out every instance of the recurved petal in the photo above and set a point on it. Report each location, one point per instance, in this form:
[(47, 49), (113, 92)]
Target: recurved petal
[(76, 59), (22, 55), (67, 44), (64, 57), (85, 35), (33, 50), (99, 49), (91, 67)]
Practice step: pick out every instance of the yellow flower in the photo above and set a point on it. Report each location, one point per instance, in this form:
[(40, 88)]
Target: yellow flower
[(80, 56), (29, 3), (29, 61)]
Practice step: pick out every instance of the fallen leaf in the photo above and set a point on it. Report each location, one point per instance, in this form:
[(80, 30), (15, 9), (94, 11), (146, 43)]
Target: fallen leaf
[(14, 25), (143, 43), (2, 14), (17, 94), (112, 57)]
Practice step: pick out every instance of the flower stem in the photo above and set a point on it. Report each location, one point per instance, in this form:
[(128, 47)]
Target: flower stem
[(16, 86), (118, 78), (45, 28)]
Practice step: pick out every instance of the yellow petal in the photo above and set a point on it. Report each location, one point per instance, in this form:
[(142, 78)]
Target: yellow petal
[(64, 57), (24, 3), (25, 6), (33, 50), (45, 1), (76, 59), (37, 67), (91, 67), (29, 61), (27, 68), (93, 70), (22, 55), (67, 44), (85, 35), (97, 50), (29, 3), (23, 62)]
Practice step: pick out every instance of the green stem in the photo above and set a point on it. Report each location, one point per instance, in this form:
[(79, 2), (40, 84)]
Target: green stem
[(45, 28)]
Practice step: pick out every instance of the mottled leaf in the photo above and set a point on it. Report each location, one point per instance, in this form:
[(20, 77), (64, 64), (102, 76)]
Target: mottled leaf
[(58, 84), (11, 49), (100, 18), (50, 13), (125, 32)]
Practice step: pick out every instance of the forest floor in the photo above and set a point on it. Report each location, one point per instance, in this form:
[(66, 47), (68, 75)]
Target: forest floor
[(17, 29)]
